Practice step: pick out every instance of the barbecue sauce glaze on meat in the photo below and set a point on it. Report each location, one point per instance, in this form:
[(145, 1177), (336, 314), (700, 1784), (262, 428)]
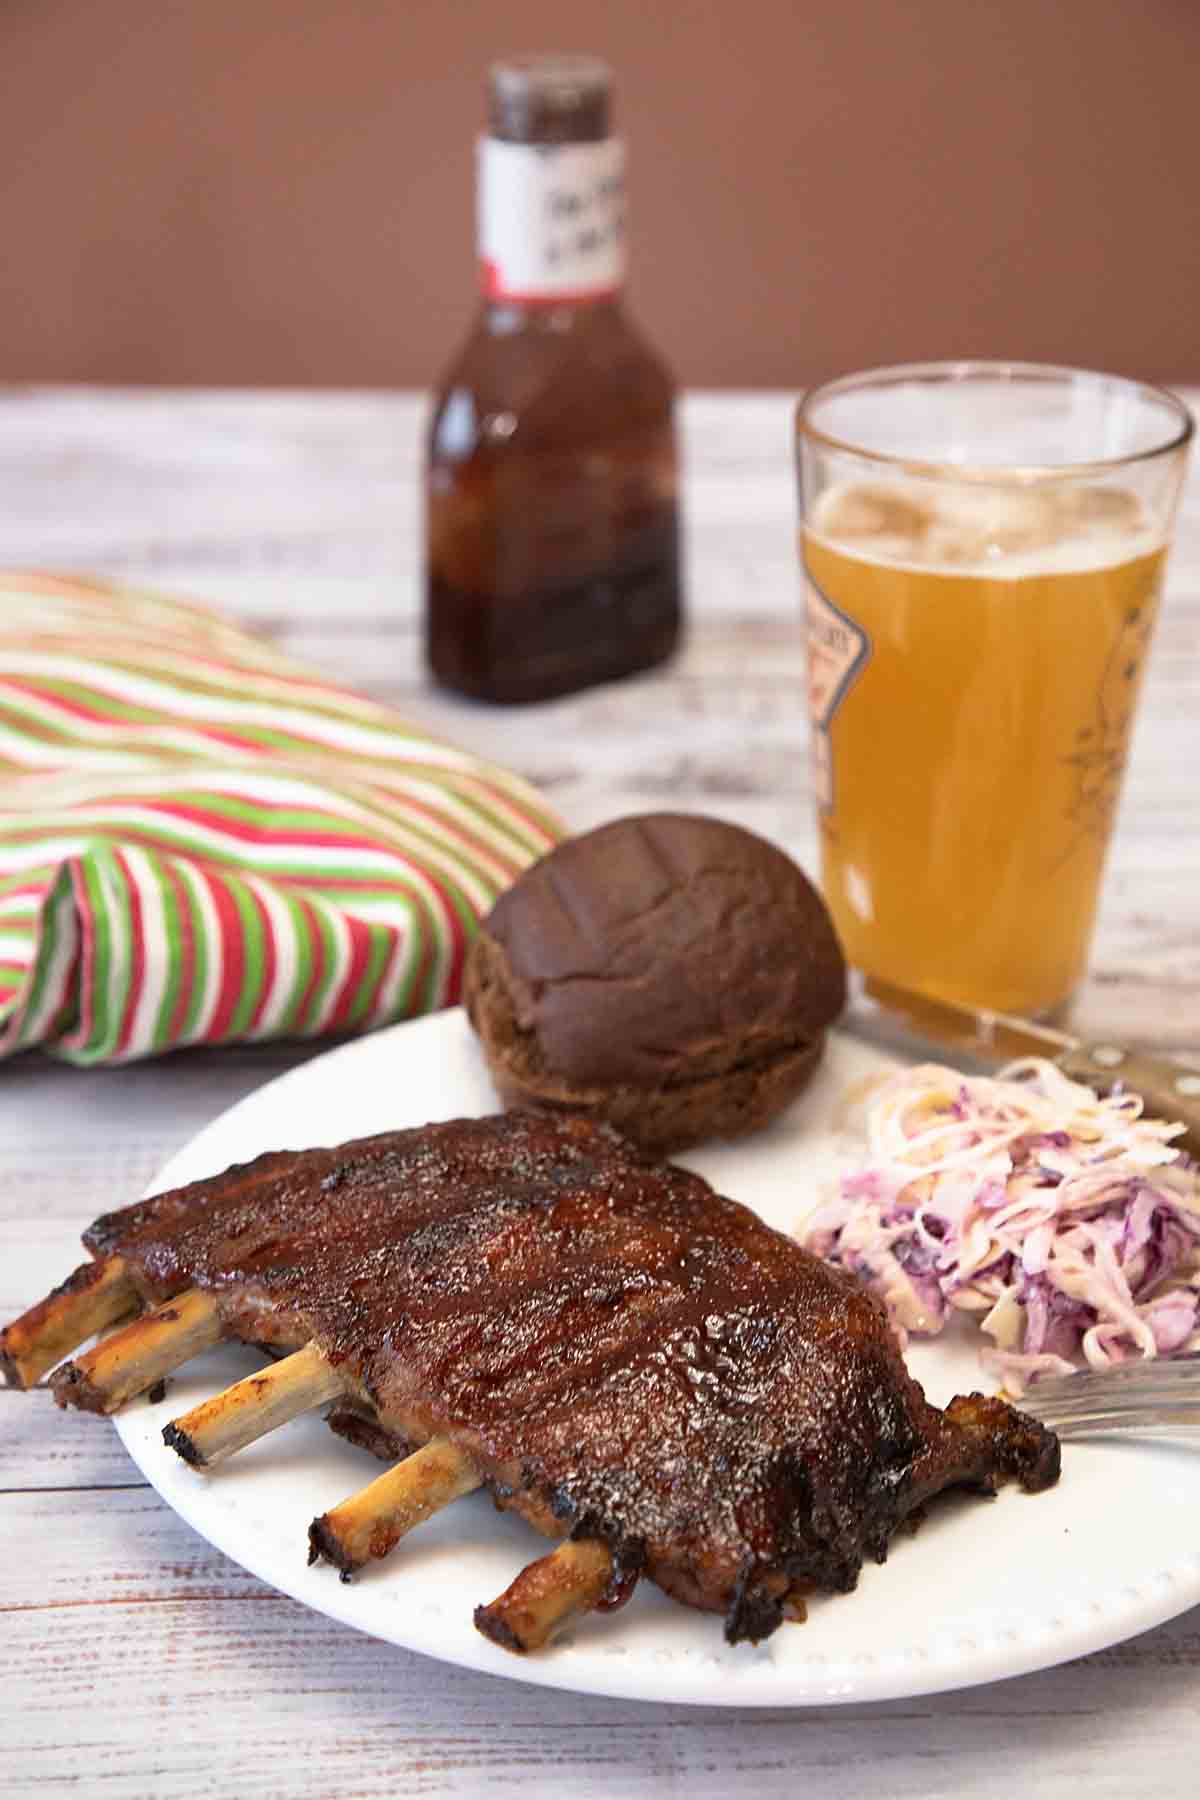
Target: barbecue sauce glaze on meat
[(626, 1354)]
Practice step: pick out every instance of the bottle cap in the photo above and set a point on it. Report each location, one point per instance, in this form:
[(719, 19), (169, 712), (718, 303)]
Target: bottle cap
[(549, 99)]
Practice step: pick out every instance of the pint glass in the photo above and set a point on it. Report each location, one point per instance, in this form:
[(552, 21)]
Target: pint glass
[(983, 549)]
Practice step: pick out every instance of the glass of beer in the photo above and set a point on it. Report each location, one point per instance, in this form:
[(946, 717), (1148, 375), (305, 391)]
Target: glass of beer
[(983, 548)]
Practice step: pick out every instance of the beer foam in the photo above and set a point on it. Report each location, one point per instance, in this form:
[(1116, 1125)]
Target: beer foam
[(1004, 532)]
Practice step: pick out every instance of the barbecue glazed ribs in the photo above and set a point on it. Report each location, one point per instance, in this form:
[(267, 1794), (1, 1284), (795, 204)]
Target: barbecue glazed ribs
[(618, 1353)]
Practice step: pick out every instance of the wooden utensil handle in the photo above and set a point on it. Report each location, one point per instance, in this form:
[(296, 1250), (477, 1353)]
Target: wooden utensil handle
[(1169, 1090)]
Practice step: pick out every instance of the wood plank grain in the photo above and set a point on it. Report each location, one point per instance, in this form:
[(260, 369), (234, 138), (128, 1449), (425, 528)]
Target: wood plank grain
[(244, 1693)]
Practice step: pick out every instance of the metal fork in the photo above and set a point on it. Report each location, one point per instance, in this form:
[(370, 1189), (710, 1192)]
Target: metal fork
[(1161, 1396)]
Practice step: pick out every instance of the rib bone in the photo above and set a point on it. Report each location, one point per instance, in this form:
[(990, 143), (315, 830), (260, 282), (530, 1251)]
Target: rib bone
[(548, 1592), (372, 1522), (250, 1408), (132, 1360), (95, 1296)]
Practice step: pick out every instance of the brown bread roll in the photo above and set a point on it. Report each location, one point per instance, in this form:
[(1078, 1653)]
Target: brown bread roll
[(672, 974)]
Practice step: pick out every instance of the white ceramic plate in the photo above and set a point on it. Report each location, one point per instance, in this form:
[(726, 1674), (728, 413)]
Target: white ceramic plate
[(985, 1589)]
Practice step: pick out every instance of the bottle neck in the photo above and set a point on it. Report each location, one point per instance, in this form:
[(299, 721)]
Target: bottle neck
[(551, 222), (551, 318)]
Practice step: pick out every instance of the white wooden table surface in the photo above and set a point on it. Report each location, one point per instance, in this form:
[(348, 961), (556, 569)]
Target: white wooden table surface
[(135, 1660)]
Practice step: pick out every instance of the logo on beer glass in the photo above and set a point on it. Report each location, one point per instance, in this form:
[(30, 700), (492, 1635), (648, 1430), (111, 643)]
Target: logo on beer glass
[(837, 652)]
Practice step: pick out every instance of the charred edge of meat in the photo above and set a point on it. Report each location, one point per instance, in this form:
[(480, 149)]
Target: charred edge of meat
[(492, 1625), (359, 1428), (1020, 1446), (180, 1442), (757, 1607), (73, 1386), (323, 1546)]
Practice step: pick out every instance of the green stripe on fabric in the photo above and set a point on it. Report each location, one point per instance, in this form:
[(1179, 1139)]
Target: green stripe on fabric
[(59, 921), (333, 968), (27, 719), (172, 948), (254, 968), (101, 940), (194, 923), (176, 840), (410, 937), (40, 873), (403, 836), (301, 931), (380, 944), (47, 944), (234, 687), (108, 903), (98, 700)]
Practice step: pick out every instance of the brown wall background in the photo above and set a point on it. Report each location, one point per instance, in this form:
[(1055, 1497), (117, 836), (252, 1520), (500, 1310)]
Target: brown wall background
[(280, 191)]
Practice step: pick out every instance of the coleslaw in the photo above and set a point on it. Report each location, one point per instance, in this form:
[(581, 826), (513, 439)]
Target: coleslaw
[(1068, 1224)]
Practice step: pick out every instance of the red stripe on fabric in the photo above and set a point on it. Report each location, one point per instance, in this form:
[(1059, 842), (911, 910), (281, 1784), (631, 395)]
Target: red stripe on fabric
[(187, 952), (270, 959), (41, 887), (297, 740), (147, 839), (360, 952), (316, 973), (247, 832), (232, 952), (77, 709), (137, 953), (452, 970), (386, 970), (466, 841), (465, 846), (427, 938)]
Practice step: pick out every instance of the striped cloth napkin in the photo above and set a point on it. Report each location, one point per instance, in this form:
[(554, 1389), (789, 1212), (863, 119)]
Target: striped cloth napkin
[(201, 841)]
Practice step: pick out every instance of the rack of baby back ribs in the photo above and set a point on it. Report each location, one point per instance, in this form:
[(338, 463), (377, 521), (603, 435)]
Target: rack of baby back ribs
[(637, 1366)]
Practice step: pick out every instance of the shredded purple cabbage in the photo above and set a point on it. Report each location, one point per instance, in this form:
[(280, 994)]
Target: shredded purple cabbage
[(1066, 1223)]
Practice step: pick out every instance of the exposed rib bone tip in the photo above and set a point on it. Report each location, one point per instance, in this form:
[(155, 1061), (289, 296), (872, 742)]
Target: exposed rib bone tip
[(178, 1440), (136, 1357), (493, 1625), (323, 1546), (372, 1522), (572, 1579), (95, 1296), (250, 1408)]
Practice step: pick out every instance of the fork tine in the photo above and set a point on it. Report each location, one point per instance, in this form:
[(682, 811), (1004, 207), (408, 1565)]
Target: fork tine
[(1096, 1399), (1184, 1369), (1151, 1421), (1060, 1417), (1140, 1395)]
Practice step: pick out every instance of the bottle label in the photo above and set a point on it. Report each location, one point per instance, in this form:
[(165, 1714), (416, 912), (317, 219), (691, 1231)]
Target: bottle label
[(837, 652), (551, 219)]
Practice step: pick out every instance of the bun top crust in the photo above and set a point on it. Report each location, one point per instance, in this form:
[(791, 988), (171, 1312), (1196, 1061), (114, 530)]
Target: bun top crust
[(664, 947)]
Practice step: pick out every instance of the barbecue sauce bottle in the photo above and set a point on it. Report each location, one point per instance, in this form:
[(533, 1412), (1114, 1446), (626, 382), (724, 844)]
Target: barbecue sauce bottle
[(552, 529)]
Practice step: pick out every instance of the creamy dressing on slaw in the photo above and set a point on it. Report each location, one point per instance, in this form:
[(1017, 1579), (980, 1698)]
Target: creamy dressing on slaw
[(1068, 1224)]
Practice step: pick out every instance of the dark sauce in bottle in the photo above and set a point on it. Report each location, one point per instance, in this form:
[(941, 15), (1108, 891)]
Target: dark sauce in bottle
[(552, 527)]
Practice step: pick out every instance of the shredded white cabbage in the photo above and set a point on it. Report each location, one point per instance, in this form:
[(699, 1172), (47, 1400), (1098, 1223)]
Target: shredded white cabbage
[(1069, 1224)]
